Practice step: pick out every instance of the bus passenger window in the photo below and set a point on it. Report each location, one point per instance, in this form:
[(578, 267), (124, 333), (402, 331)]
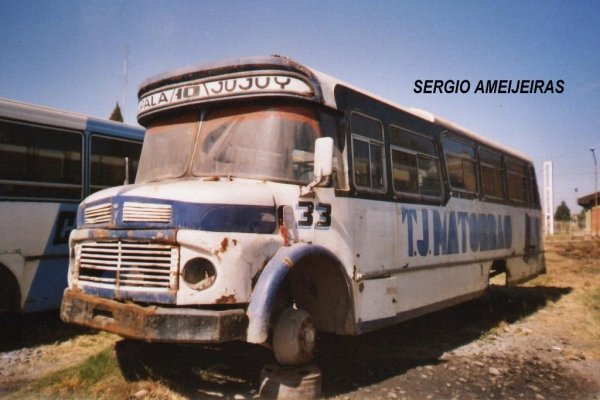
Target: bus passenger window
[(460, 162), (362, 165), (368, 153), (39, 162), (492, 174), (534, 197), (517, 181), (404, 167), (415, 164), (107, 161)]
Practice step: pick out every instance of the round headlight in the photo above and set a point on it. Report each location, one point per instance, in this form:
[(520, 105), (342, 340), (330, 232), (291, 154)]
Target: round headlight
[(199, 273)]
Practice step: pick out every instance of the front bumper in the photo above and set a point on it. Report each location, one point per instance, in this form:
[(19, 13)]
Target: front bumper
[(154, 324)]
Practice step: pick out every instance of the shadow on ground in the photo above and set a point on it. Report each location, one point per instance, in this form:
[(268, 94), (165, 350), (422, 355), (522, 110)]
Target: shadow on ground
[(28, 330), (347, 363)]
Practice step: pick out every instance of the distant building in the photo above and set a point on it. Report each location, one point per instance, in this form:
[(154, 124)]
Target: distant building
[(592, 212)]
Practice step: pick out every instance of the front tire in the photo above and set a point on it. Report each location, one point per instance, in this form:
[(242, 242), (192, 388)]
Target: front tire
[(294, 337)]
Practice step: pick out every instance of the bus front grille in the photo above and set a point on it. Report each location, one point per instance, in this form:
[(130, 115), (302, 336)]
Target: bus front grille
[(127, 265), (100, 214), (146, 212)]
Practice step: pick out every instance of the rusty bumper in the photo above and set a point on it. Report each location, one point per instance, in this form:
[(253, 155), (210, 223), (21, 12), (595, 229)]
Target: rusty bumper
[(154, 324)]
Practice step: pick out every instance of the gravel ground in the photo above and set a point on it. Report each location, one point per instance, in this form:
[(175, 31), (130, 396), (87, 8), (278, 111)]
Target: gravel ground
[(537, 341)]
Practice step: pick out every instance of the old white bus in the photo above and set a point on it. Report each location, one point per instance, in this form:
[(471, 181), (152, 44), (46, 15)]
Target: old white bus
[(273, 201), (49, 161)]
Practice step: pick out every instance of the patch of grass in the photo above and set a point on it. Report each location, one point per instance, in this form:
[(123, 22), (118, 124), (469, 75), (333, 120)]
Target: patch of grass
[(98, 377), (592, 300), (75, 382)]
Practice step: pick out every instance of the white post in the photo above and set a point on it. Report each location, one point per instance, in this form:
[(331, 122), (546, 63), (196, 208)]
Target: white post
[(548, 199)]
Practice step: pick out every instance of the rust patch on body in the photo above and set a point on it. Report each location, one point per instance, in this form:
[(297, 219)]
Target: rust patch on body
[(222, 249), (224, 245), (226, 299)]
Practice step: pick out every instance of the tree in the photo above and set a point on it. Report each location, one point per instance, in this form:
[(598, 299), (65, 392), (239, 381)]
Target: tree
[(116, 114), (562, 212)]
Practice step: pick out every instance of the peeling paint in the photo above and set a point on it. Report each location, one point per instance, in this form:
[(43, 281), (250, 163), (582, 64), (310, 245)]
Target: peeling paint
[(288, 262), (224, 245), (226, 299)]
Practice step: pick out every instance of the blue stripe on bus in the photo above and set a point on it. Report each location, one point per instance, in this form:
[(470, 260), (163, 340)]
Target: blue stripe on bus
[(238, 218)]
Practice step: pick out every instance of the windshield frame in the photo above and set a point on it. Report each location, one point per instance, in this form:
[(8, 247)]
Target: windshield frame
[(272, 143), (306, 112), (168, 133)]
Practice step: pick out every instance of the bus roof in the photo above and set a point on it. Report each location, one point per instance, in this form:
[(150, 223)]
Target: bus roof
[(31, 113), (328, 84), (323, 85)]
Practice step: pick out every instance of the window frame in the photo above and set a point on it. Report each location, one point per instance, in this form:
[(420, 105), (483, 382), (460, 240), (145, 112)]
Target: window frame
[(50, 130), (534, 194), (454, 191), (371, 142), (502, 169), (417, 154), (92, 188), (524, 175)]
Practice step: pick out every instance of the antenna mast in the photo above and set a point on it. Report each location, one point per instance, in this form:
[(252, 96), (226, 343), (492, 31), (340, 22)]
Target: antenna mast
[(125, 79)]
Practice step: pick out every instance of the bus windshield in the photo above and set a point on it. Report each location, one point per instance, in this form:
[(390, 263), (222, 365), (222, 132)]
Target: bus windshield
[(270, 143)]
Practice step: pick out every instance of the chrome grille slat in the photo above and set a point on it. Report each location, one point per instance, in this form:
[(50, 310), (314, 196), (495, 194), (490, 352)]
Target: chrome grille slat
[(128, 265), (146, 212), (107, 267), (100, 214), (129, 260)]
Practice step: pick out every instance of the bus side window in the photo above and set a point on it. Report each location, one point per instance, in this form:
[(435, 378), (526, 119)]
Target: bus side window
[(367, 153), (535, 195), (107, 161), (40, 162), (415, 164), (492, 174), (461, 165), (517, 181)]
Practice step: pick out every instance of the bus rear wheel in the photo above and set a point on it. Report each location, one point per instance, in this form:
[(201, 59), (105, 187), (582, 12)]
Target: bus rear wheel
[(294, 337)]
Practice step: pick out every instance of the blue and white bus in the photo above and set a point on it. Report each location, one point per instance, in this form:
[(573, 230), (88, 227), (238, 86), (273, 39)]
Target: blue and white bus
[(50, 160), (273, 201)]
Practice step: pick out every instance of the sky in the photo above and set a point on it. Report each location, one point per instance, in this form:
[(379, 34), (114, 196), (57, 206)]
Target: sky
[(85, 56)]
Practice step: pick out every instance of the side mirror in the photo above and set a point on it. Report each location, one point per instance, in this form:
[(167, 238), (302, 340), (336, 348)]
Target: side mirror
[(323, 163)]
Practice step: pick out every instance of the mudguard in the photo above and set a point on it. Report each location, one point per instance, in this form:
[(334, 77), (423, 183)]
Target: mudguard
[(260, 307)]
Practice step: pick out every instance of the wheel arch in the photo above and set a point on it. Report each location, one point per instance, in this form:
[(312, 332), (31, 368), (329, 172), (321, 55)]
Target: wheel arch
[(316, 280)]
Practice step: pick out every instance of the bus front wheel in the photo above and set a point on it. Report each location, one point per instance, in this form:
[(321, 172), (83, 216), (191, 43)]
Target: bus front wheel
[(294, 337)]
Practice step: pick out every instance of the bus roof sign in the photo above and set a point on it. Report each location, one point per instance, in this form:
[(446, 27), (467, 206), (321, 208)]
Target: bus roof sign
[(194, 92)]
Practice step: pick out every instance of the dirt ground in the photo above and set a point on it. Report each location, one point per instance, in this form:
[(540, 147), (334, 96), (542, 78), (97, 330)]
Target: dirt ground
[(538, 341)]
